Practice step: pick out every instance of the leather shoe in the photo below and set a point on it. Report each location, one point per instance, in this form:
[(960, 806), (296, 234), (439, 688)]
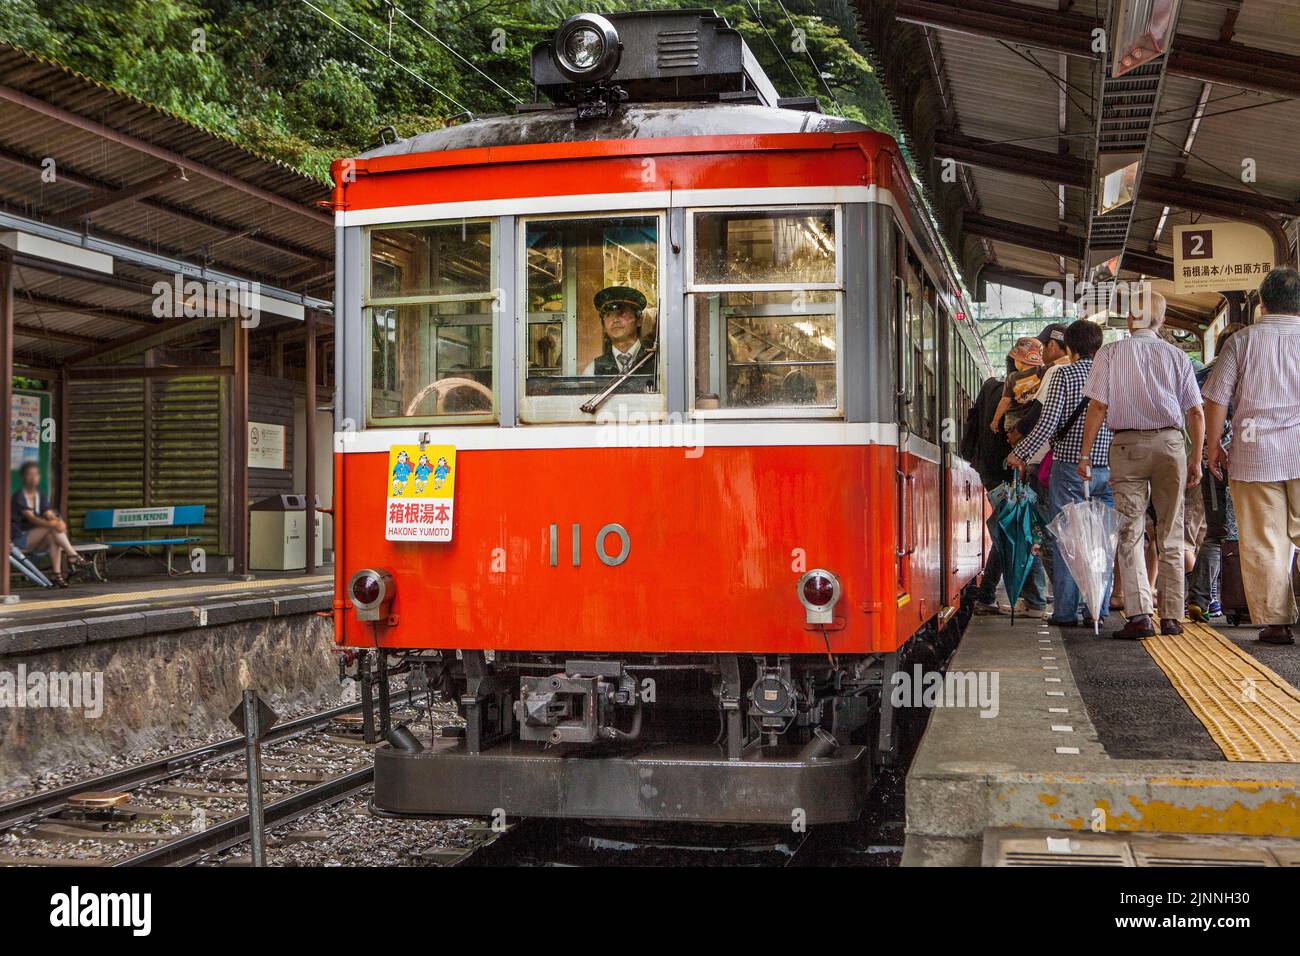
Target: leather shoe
[(1135, 629), (1276, 634), (1169, 626)]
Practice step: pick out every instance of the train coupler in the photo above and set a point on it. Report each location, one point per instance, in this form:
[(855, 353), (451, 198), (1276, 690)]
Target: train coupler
[(578, 706)]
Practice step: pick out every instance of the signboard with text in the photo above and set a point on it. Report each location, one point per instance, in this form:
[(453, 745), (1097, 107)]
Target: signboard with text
[(1220, 257), (421, 493), (265, 445)]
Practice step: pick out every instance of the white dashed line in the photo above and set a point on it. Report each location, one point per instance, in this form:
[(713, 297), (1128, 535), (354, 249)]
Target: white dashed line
[(1055, 693), (1058, 710), (1052, 680), (1063, 728), (1067, 750)]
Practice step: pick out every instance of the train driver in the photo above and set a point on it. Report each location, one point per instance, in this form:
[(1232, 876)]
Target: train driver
[(620, 308)]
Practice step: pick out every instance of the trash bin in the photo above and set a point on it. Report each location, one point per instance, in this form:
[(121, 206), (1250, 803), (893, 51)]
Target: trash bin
[(277, 534)]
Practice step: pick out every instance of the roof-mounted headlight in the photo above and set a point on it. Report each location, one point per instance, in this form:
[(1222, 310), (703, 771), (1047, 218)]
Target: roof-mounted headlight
[(586, 48)]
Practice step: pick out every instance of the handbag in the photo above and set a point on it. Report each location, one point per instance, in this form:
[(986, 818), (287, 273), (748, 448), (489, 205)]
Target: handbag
[(1045, 466)]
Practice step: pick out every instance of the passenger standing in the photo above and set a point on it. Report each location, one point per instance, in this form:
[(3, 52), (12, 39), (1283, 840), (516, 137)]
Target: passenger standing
[(1143, 388), (1220, 521), (1259, 373), (1022, 384), (986, 450), (1061, 425), (1054, 355)]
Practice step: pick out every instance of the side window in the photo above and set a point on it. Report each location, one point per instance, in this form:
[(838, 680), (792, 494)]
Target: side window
[(929, 377), (429, 305), (591, 288), (916, 339), (765, 296)]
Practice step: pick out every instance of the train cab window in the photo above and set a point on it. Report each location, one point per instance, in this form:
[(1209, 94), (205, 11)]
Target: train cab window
[(430, 299), (765, 302), (591, 286)]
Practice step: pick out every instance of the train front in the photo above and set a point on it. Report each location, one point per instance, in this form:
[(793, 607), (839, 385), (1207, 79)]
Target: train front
[(615, 467)]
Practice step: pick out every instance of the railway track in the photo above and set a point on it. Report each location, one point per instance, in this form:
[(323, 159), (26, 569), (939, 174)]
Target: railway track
[(184, 808)]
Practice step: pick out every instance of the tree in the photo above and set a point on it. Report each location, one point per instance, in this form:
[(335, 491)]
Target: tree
[(306, 81)]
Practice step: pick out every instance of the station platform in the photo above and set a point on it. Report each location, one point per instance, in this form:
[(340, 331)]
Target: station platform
[(134, 607), (1196, 735)]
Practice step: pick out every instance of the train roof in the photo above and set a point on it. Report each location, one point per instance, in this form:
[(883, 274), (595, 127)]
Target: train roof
[(634, 121)]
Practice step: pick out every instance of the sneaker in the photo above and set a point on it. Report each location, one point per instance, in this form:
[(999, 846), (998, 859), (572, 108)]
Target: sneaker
[(982, 608), (1215, 609)]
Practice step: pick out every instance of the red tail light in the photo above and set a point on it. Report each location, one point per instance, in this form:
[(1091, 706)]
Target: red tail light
[(818, 591)]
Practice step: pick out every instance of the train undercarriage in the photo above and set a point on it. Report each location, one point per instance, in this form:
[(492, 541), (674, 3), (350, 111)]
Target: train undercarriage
[(724, 738)]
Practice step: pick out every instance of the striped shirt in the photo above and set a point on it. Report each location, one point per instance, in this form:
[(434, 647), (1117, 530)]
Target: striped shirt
[(1259, 374), (1065, 392), (1041, 398), (1144, 382)]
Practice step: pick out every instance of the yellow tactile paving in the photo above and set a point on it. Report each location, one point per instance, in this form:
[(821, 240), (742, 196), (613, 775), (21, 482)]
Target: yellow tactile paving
[(1249, 711), (128, 596)]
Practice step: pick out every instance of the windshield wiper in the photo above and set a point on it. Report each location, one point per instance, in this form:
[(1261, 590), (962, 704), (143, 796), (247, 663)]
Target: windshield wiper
[(594, 403)]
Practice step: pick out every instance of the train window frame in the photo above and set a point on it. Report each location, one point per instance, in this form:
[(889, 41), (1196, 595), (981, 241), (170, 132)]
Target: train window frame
[(492, 297), (692, 291), (566, 409)]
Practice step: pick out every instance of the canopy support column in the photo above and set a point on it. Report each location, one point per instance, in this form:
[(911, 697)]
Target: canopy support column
[(309, 422)]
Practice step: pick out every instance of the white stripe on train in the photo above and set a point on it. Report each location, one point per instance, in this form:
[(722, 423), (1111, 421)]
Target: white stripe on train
[(687, 435), (610, 202)]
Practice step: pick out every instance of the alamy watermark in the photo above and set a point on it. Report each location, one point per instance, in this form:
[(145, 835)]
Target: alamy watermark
[(624, 429), (182, 298), (72, 690), (922, 688)]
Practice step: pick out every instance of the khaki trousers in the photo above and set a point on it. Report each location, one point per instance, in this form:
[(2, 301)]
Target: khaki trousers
[(1150, 467), (1194, 526), (1268, 523)]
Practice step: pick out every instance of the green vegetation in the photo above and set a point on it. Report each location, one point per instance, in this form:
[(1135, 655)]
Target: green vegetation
[(281, 79)]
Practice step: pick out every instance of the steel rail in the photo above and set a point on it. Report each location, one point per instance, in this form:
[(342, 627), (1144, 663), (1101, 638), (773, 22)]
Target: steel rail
[(27, 809), (193, 847)]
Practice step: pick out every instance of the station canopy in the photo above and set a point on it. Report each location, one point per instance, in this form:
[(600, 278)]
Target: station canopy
[(1013, 113), (104, 196)]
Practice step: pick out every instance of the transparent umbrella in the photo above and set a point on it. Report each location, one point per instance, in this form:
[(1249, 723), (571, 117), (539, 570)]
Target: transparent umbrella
[(1087, 533)]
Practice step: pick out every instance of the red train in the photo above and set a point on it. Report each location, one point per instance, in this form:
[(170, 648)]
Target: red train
[(649, 399)]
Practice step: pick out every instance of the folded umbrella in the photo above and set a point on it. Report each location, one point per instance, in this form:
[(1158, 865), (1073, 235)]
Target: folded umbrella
[(1015, 528), (1087, 533)]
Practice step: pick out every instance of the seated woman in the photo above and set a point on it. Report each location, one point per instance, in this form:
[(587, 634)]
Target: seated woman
[(35, 526)]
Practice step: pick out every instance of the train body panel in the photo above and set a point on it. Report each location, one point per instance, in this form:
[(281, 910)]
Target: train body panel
[(716, 540)]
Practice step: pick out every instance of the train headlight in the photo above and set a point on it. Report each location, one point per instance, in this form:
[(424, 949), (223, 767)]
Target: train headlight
[(371, 593), (819, 591), (586, 48)]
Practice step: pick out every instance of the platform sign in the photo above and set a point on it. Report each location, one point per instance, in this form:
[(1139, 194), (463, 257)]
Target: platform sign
[(1221, 257), (421, 493)]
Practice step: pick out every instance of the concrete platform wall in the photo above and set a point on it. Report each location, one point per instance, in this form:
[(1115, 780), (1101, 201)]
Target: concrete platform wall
[(164, 674)]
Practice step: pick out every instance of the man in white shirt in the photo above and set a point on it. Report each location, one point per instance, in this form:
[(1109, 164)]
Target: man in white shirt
[(1143, 388), (1259, 373)]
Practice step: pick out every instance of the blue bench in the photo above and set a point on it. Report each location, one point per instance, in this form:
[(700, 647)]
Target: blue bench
[(183, 517)]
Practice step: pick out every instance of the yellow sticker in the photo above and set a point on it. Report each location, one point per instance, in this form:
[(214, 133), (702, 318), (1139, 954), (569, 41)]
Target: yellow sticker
[(421, 493)]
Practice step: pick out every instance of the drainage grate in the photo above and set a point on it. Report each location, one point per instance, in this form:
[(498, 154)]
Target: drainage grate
[(1008, 847)]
